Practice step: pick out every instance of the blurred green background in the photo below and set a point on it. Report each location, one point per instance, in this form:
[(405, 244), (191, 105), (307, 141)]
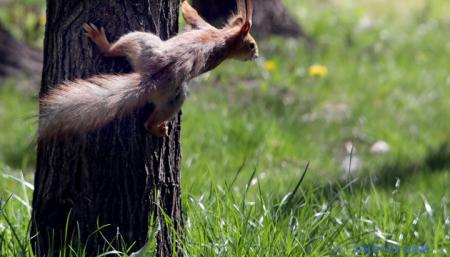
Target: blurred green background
[(369, 100)]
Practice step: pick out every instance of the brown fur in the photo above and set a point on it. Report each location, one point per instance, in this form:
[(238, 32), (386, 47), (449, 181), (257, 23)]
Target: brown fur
[(84, 105), (162, 68)]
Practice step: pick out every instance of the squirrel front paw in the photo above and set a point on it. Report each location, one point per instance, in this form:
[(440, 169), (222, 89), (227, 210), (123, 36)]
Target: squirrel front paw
[(161, 130), (98, 36)]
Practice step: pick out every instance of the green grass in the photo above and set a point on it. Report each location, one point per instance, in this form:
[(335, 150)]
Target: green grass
[(17, 125), (252, 221), (388, 79)]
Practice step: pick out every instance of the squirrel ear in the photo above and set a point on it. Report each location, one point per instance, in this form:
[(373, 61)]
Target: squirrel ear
[(246, 28)]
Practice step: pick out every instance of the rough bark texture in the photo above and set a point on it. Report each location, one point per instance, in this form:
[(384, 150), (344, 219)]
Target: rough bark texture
[(118, 176), (19, 60), (270, 17)]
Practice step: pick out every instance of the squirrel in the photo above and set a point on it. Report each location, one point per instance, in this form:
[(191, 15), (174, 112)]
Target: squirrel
[(162, 70)]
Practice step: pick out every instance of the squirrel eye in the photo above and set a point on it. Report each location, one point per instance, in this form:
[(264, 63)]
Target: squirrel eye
[(252, 46)]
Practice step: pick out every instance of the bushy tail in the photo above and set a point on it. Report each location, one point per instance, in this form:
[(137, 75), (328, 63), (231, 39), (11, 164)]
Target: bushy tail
[(81, 106)]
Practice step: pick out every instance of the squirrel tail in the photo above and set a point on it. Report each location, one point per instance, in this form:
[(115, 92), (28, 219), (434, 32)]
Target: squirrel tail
[(81, 106)]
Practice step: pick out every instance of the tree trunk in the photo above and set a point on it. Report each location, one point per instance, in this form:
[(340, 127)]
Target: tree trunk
[(19, 60), (270, 17), (119, 176)]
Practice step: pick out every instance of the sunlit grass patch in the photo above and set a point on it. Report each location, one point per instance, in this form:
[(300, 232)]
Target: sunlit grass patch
[(250, 219)]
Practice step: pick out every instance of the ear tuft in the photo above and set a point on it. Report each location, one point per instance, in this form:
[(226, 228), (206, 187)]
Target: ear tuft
[(246, 28)]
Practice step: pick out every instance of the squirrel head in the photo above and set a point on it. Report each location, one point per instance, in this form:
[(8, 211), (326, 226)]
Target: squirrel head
[(242, 45), (245, 47)]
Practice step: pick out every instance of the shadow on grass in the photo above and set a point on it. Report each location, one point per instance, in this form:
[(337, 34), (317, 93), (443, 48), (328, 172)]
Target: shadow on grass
[(436, 160)]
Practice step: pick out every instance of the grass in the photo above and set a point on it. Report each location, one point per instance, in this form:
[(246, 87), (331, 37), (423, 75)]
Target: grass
[(17, 126), (387, 80), (249, 221)]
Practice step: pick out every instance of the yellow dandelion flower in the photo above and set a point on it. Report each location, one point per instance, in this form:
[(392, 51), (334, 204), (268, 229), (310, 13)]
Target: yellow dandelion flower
[(269, 66), (318, 71)]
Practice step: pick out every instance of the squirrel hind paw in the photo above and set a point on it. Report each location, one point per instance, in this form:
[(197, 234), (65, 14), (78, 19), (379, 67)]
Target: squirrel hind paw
[(161, 130)]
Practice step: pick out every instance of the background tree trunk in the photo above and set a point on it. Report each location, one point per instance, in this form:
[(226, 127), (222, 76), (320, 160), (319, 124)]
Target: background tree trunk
[(118, 176), (270, 17), (19, 60)]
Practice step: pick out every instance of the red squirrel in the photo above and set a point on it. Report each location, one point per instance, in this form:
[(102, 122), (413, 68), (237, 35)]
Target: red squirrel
[(162, 70)]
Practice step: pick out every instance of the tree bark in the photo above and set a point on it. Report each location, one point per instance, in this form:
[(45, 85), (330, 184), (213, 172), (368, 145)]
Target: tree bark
[(270, 17), (118, 176), (19, 60)]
